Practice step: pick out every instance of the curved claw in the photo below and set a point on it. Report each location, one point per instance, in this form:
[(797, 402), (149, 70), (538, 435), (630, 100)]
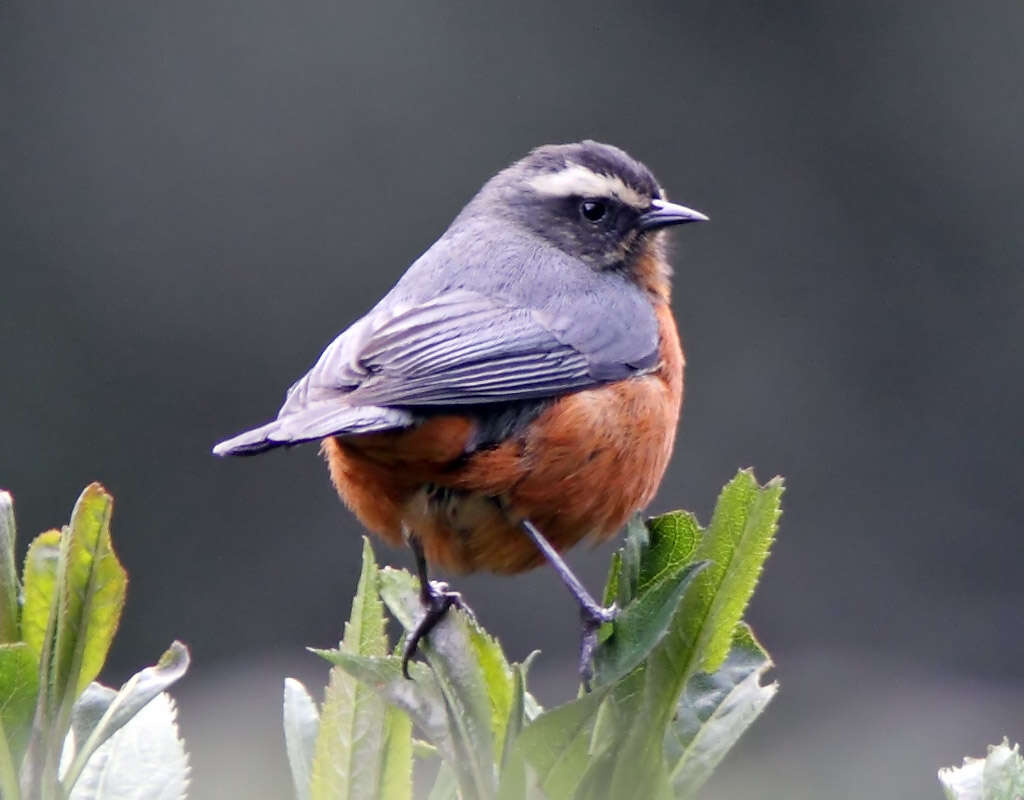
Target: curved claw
[(593, 617), (437, 600)]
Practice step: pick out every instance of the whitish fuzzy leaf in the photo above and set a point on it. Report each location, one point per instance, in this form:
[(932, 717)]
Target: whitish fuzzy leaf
[(714, 710), (88, 734), (144, 760), (998, 776), (446, 785), (88, 710), (301, 724), (350, 743), (9, 588)]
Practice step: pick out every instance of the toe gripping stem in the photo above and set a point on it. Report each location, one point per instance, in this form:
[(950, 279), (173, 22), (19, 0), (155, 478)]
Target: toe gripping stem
[(436, 600)]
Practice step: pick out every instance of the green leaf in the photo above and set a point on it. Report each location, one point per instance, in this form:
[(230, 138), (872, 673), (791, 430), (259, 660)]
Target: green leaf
[(556, 744), (627, 757), (351, 740), (39, 611), (9, 588), (602, 779), (38, 627), (453, 650), (91, 591), (998, 776), (145, 758), (737, 542), (625, 747), (714, 710), (642, 623), (19, 685), (301, 725), (130, 699)]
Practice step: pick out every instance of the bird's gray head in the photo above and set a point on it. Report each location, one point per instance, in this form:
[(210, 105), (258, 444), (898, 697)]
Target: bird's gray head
[(592, 201)]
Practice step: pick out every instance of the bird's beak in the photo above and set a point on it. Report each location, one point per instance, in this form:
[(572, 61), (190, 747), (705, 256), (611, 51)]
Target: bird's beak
[(662, 214)]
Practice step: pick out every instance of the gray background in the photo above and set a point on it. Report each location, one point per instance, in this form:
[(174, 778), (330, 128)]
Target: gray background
[(196, 196)]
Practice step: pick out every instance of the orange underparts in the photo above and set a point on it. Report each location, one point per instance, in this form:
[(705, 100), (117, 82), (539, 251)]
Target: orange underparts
[(581, 468)]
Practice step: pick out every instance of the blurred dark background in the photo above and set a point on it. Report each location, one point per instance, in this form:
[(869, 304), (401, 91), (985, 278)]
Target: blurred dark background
[(195, 197)]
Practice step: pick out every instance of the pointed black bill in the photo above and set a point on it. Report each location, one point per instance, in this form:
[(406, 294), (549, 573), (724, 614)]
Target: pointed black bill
[(662, 214)]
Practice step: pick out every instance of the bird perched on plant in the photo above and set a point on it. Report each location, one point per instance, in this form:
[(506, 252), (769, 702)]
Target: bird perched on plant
[(518, 389)]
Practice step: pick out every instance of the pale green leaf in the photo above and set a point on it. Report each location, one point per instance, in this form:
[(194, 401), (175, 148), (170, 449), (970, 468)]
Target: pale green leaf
[(9, 588), (396, 772), (497, 677), (451, 649), (714, 710), (301, 724), (998, 776), (351, 739), (420, 697), (144, 759)]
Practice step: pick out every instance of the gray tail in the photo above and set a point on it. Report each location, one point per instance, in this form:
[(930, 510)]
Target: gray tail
[(312, 424), (250, 443)]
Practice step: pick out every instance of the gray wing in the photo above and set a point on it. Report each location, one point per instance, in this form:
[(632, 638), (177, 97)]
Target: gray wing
[(460, 348)]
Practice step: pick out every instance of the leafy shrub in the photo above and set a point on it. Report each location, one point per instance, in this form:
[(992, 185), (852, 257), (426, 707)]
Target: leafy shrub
[(677, 679), (62, 735)]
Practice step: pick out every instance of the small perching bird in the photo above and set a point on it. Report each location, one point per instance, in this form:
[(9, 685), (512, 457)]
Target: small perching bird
[(520, 386)]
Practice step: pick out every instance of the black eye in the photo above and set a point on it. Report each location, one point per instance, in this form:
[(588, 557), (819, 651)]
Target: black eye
[(593, 210)]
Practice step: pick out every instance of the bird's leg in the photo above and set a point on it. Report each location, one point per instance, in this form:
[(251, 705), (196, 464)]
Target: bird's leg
[(592, 614), (436, 600)]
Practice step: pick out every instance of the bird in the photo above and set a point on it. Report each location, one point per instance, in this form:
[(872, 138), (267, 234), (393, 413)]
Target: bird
[(519, 388)]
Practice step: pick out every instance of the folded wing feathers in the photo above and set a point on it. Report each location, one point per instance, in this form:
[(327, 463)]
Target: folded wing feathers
[(458, 349)]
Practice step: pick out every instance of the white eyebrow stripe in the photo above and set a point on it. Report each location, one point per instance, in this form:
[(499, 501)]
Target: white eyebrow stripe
[(576, 179)]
